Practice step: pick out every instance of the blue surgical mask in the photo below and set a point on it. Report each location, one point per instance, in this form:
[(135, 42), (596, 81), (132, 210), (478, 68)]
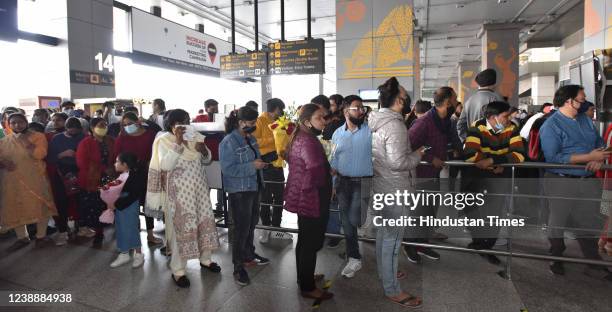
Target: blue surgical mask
[(498, 126), (131, 129)]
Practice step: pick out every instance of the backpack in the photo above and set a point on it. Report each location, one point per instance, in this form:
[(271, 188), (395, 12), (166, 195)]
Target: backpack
[(535, 150)]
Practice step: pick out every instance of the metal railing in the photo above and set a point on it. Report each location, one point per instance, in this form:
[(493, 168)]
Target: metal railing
[(508, 253)]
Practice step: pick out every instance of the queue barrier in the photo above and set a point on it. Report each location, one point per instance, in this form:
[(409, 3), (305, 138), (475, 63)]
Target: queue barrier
[(508, 253)]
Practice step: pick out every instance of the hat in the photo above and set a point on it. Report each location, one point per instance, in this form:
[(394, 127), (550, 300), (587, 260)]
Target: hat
[(487, 77)]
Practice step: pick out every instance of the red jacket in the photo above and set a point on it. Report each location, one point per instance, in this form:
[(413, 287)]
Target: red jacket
[(202, 118), (89, 161), (308, 176)]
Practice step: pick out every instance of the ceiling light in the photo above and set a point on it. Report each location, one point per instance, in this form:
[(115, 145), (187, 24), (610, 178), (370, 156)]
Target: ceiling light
[(460, 5), (502, 1)]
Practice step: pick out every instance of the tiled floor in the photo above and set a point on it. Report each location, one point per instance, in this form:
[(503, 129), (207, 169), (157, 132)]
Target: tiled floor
[(458, 282)]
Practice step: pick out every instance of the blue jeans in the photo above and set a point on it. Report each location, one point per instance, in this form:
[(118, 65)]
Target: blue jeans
[(388, 243), (333, 225), (349, 201)]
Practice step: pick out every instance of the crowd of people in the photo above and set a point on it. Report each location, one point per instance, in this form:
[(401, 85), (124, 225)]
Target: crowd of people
[(339, 152)]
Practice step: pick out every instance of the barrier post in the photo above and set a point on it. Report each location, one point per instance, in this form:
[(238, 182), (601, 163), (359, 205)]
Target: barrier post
[(507, 273)]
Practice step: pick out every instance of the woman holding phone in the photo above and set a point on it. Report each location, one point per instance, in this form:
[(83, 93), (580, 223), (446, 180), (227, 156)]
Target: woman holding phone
[(242, 166), (308, 193), (178, 190)]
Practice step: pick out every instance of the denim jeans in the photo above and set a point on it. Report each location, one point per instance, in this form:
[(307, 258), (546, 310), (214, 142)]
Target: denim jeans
[(334, 225), (348, 192), (245, 214), (388, 243)]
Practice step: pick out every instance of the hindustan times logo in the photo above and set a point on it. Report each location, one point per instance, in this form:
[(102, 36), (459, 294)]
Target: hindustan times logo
[(413, 200)]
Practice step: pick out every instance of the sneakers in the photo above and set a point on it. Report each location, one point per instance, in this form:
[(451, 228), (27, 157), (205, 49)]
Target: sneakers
[(556, 268), (351, 267), (333, 242), (265, 237), (121, 259), (86, 232), (411, 254), (61, 239), (429, 253), (242, 277), (138, 260)]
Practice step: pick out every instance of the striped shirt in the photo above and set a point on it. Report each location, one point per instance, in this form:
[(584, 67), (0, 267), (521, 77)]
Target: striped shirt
[(504, 147)]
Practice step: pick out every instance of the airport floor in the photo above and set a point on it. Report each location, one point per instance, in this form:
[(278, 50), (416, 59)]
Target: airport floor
[(457, 282)]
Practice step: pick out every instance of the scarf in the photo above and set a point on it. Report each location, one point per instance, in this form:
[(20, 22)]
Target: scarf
[(158, 178)]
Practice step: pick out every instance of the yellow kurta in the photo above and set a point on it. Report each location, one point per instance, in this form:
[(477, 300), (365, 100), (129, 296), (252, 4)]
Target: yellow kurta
[(25, 193)]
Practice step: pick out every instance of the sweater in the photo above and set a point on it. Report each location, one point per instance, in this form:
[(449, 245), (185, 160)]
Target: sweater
[(504, 147)]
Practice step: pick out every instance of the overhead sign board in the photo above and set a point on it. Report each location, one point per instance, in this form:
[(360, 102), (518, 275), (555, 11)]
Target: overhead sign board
[(160, 42), (297, 57), (244, 65)]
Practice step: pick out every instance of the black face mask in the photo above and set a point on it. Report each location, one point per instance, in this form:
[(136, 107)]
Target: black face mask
[(316, 131), (451, 110), (584, 107), (356, 121), (406, 108), (249, 130)]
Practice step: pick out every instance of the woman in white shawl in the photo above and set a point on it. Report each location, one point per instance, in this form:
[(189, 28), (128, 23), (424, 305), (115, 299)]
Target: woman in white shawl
[(178, 190)]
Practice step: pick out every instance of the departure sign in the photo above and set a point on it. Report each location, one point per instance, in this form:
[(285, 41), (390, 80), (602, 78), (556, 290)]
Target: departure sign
[(243, 65), (297, 57)]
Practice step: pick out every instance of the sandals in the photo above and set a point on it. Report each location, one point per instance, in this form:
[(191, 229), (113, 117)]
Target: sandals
[(406, 302), (155, 241), (324, 295), (213, 267)]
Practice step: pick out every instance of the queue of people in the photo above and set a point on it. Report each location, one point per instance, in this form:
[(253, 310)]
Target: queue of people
[(337, 153)]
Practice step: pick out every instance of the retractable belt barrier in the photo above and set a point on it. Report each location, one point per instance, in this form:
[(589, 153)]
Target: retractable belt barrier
[(508, 253)]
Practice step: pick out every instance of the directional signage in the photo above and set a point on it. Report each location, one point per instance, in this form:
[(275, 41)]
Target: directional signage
[(244, 65), (297, 57)]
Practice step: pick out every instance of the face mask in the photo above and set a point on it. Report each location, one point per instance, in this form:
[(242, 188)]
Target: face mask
[(68, 111), (451, 110), (315, 131), (131, 129), (584, 106), (406, 108), (356, 121), (100, 131), (249, 130), (498, 126)]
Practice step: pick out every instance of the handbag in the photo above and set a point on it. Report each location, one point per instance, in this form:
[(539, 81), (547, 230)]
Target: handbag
[(107, 216)]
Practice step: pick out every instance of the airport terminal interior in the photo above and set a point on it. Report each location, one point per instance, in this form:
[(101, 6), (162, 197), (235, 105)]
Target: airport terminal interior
[(262, 155)]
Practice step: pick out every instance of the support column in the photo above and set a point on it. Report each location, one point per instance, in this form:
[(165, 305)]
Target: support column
[(466, 72), (375, 41), (90, 48), (266, 91), (500, 51)]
